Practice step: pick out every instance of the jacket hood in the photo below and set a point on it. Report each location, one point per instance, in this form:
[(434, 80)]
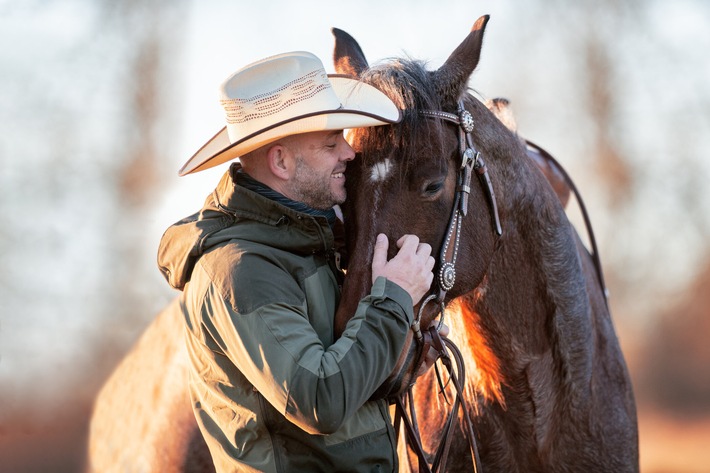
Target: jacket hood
[(233, 212)]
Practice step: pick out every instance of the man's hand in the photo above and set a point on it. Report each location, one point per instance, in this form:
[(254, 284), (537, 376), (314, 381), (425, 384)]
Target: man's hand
[(432, 355), (411, 268)]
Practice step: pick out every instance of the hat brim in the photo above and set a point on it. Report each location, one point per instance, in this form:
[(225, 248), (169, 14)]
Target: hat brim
[(362, 105)]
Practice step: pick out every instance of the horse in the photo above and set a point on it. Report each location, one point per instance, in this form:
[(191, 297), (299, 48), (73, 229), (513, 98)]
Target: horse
[(549, 388), (142, 419)]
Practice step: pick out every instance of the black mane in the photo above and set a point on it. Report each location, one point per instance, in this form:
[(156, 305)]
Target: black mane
[(410, 86)]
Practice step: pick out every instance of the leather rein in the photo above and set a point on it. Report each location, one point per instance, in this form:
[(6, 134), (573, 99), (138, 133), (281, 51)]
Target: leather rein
[(471, 161)]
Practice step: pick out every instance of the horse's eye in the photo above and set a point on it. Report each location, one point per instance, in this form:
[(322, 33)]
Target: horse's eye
[(433, 187)]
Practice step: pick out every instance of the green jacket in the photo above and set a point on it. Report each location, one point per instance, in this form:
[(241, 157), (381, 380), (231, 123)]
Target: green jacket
[(271, 390)]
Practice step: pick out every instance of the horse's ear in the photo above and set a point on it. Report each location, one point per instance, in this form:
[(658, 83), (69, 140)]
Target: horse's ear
[(452, 76), (347, 54)]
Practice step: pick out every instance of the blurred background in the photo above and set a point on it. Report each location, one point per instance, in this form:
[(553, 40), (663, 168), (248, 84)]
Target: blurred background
[(102, 101)]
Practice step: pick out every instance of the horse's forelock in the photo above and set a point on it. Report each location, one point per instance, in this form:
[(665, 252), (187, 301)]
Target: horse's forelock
[(409, 85)]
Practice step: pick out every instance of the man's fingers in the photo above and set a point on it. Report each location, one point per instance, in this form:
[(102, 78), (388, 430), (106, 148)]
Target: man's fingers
[(410, 241), (424, 249), (432, 355), (430, 263), (443, 330), (411, 268), (379, 259)]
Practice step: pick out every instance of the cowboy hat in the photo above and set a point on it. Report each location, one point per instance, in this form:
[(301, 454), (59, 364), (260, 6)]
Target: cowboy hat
[(284, 95)]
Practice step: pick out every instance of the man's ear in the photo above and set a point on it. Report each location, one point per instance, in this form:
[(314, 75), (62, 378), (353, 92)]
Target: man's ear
[(280, 161)]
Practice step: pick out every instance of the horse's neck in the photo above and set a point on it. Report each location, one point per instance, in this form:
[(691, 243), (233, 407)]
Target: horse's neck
[(530, 316)]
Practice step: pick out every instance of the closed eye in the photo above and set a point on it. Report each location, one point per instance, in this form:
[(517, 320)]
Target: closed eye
[(433, 188)]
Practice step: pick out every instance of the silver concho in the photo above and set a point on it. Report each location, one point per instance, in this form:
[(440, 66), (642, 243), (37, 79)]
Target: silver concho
[(447, 276), (468, 155), (466, 120)]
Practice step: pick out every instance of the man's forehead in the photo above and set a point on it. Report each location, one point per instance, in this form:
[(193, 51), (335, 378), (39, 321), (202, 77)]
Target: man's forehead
[(325, 134), (335, 133)]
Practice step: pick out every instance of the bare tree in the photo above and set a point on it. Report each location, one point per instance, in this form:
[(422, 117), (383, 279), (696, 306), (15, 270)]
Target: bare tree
[(86, 149)]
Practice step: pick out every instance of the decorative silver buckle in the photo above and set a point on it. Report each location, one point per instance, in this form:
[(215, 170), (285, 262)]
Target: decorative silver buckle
[(466, 120)]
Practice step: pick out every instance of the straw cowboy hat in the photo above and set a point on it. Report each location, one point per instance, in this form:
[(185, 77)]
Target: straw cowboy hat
[(284, 95)]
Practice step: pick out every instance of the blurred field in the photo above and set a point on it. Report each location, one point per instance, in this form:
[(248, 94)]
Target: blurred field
[(670, 444)]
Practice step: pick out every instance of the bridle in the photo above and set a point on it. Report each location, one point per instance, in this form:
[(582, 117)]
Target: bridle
[(471, 161)]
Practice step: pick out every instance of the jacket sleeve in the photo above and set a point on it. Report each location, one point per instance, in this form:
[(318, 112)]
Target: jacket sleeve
[(350, 370), (277, 349)]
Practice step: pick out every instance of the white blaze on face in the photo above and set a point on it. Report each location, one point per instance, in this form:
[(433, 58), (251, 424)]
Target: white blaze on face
[(380, 171)]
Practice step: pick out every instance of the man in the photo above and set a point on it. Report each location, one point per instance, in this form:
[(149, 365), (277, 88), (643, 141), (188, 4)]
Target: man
[(271, 389)]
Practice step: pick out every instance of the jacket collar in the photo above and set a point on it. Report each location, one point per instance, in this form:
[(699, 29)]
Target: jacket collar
[(234, 212)]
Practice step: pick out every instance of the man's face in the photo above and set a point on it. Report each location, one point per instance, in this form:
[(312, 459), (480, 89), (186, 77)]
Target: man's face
[(321, 158)]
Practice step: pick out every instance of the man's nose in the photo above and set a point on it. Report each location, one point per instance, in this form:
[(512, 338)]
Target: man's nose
[(348, 152)]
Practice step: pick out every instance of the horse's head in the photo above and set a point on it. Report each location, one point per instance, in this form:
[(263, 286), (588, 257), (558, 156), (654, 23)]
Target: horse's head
[(405, 176)]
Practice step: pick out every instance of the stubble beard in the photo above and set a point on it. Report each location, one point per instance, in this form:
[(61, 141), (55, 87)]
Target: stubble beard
[(314, 190)]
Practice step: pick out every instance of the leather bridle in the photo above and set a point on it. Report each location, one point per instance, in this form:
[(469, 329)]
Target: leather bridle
[(471, 161)]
